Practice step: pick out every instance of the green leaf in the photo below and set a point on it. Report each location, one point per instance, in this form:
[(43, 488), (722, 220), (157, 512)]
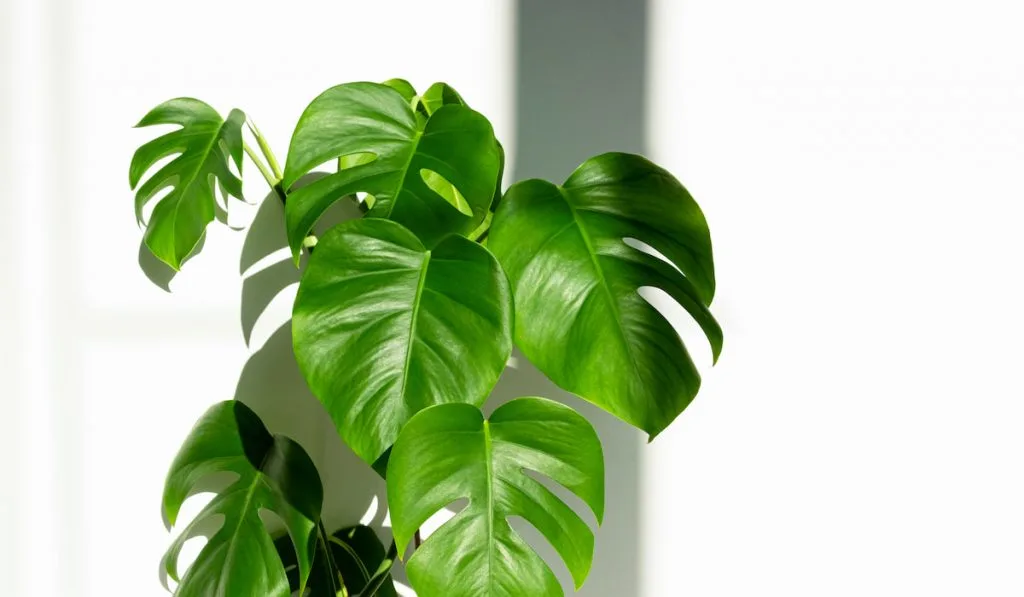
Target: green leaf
[(501, 173), (383, 327), (381, 583), (205, 142), (438, 95), (273, 473), (579, 316), (362, 562), (456, 144), (403, 87), (449, 452)]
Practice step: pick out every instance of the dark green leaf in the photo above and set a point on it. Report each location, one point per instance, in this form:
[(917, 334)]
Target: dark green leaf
[(360, 556), (579, 316), (362, 564), (381, 583), (449, 452), (205, 142), (501, 174), (273, 473), (383, 327), (455, 144)]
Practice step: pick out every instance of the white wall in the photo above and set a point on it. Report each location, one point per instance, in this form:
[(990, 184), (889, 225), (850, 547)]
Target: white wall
[(860, 164)]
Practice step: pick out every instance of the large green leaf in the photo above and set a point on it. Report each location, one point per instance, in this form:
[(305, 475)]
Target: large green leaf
[(272, 473), (450, 452), (383, 327), (205, 142), (455, 144), (579, 316)]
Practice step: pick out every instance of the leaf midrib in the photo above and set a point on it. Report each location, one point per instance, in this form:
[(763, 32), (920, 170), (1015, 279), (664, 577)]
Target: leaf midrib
[(602, 280), (214, 138), (412, 324), (233, 540), (405, 170), (489, 464)]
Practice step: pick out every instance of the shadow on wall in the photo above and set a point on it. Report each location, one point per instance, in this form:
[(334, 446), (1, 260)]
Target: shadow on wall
[(272, 384)]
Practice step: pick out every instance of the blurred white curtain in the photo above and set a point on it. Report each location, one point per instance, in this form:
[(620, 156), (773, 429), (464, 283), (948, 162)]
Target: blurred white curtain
[(103, 374)]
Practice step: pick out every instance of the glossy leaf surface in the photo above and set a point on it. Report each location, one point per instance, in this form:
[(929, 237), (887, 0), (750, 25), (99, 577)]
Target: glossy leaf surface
[(455, 143), (204, 144), (450, 452), (272, 473), (383, 328), (579, 316)]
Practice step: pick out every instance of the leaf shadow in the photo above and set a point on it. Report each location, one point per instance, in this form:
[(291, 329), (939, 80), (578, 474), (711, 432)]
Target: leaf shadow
[(265, 262), (271, 382), (272, 385), (204, 530), (158, 272)]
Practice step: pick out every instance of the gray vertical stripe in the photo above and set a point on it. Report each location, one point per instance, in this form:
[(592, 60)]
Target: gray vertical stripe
[(581, 69)]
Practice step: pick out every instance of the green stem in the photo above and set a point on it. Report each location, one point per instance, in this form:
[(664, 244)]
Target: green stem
[(267, 175), (335, 572), (265, 148)]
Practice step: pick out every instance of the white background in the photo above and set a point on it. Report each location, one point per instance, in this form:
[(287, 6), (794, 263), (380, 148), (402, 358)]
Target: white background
[(860, 165)]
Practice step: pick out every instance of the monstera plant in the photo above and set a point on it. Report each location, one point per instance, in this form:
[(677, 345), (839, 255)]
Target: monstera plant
[(403, 322)]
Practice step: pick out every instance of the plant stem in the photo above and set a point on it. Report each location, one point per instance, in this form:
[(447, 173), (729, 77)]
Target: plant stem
[(267, 175), (265, 148), (335, 573)]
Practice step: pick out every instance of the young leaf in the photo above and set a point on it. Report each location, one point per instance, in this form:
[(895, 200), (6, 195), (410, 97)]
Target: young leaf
[(438, 95), (403, 87), (273, 473), (383, 327), (205, 142), (456, 144), (449, 452), (579, 316)]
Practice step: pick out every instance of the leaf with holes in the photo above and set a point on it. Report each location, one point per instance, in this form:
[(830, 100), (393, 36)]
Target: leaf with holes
[(450, 452), (384, 327), (405, 164), (579, 316), (273, 473), (205, 142)]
